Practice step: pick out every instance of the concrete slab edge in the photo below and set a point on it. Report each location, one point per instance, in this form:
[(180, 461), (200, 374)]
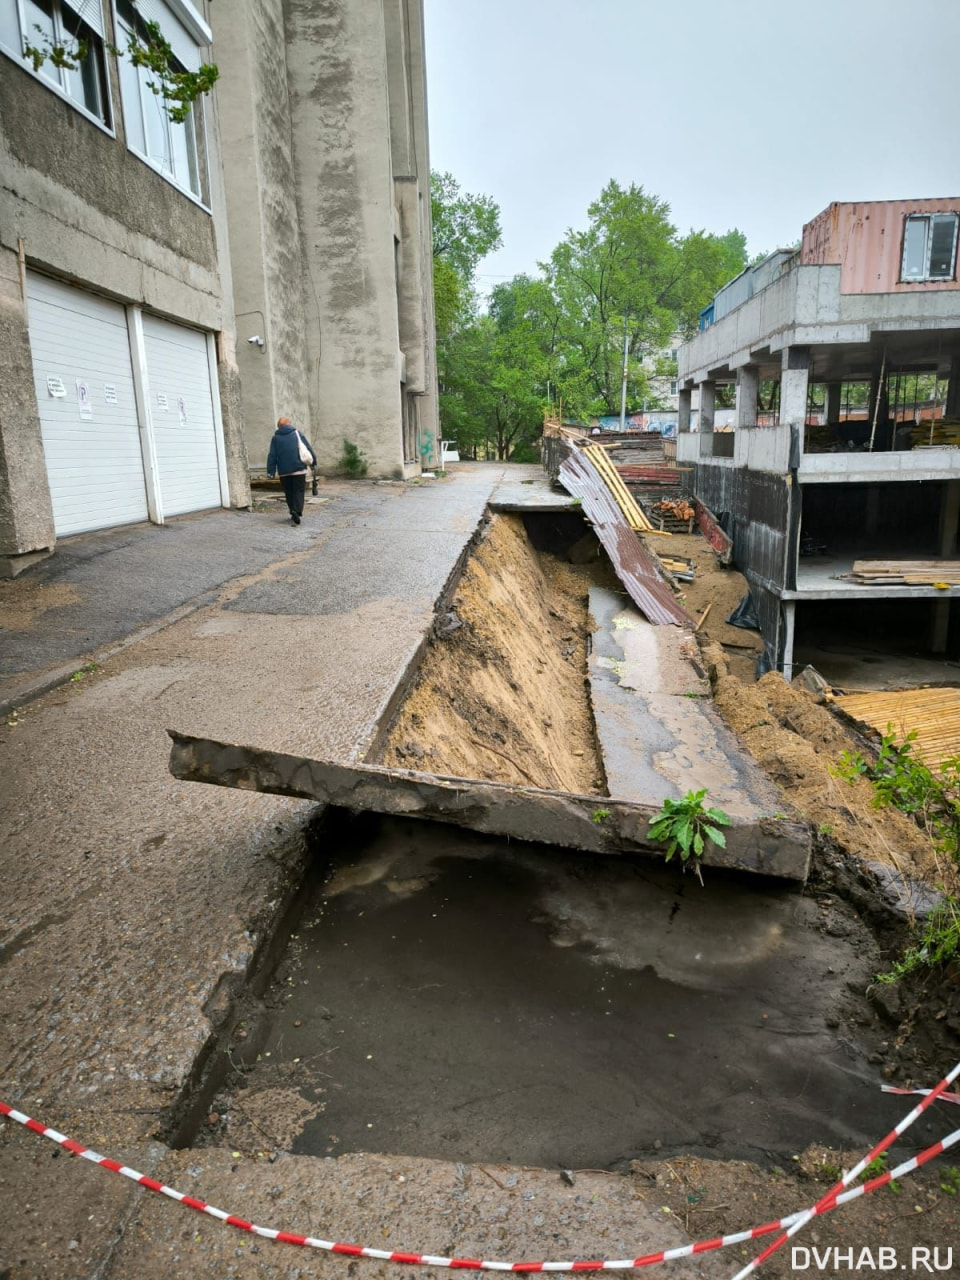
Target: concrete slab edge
[(770, 846)]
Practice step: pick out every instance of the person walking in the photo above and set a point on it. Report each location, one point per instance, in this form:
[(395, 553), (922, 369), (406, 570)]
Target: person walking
[(289, 450)]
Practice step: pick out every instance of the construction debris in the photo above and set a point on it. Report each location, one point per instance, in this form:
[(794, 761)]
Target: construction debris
[(634, 565), (911, 573), (597, 456)]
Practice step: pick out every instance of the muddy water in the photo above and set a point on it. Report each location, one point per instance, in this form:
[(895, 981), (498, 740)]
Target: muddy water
[(450, 996)]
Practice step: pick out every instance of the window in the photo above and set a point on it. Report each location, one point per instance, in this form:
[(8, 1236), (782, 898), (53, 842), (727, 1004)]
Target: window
[(674, 386), (167, 145), (929, 247), (45, 23)]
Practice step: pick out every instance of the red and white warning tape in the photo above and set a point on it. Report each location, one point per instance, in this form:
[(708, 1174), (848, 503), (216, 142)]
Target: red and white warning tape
[(831, 1201), (944, 1097)]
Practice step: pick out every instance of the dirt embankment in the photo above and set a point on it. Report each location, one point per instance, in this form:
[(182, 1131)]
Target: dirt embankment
[(501, 693)]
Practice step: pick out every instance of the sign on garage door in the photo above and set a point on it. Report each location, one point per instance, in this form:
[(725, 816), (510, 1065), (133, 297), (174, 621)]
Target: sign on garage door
[(88, 414), (182, 413)]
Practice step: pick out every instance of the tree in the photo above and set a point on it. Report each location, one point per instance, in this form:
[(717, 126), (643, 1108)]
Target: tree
[(465, 227), (630, 276)]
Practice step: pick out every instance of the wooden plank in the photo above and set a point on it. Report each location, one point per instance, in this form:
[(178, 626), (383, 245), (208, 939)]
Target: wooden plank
[(596, 824)]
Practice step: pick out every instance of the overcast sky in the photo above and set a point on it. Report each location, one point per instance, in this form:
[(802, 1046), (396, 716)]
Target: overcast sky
[(754, 115)]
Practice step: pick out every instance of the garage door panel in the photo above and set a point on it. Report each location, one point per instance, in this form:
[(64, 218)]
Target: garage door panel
[(93, 456), (183, 420)]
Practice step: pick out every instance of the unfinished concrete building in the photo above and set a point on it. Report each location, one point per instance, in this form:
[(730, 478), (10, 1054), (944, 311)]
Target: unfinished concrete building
[(844, 360), (326, 168)]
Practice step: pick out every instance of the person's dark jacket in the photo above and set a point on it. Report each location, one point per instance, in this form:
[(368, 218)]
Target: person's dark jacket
[(284, 456)]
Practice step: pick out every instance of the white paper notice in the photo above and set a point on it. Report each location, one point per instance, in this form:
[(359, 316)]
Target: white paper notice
[(109, 393), (163, 402), (55, 387), (83, 400)]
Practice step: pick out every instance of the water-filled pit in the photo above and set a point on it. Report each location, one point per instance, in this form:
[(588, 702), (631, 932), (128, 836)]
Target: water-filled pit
[(447, 995)]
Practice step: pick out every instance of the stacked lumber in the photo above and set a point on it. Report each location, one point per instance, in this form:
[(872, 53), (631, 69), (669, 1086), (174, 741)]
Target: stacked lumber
[(933, 714), (597, 456), (651, 477), (943, 434), (909, 573)]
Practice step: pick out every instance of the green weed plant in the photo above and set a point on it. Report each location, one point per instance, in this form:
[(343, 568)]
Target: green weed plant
[(685, 826)]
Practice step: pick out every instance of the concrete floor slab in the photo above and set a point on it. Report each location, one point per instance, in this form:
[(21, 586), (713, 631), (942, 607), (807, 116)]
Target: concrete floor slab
[(658, 734)]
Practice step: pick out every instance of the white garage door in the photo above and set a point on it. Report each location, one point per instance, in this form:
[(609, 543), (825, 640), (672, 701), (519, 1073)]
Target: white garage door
[(181, 407), (88, 413)]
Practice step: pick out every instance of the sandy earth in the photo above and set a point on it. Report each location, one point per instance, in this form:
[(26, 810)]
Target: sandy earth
[(489, 704)]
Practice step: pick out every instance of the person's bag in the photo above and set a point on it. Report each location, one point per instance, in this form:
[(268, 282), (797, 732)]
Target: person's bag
[(306, 456)]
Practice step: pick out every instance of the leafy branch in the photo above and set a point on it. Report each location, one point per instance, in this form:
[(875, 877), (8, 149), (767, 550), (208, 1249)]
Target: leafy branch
[(179, 89)]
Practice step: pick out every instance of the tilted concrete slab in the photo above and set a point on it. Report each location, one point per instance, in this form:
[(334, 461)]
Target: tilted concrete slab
[(659, 734), (768, 846)]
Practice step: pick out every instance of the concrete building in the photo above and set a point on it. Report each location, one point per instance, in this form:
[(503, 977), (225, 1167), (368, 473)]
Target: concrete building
[(871, 297), (119, 393), (130, 322), (324, 130)]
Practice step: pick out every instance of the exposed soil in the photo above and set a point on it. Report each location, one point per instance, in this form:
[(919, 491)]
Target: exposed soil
[(721, 588), (501, 692)]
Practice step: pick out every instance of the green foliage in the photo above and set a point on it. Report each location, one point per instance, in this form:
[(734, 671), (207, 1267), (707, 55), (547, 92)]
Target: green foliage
[(950, 1180), (629, 272), (599, 816), (900, 778), (353, 461), (684, 826), (938, 942), (465, 228), (147, 48), (178, 89)]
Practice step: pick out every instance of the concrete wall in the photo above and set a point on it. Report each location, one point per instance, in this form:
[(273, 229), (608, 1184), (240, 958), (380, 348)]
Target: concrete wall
[(337, 76), (263, 219), (866, 239), (327, 174), (91, 212), (805, 307)]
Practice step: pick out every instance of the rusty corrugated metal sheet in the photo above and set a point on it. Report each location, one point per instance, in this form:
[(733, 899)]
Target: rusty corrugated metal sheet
[(634, 565)]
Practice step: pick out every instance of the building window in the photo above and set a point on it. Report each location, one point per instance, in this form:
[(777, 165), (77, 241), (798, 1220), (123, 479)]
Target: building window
[(73, 24), (168, 145), (929, 247), (674, 386)]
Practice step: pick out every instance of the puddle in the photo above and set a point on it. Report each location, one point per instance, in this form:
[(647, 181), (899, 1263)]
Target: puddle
[(450, 996)]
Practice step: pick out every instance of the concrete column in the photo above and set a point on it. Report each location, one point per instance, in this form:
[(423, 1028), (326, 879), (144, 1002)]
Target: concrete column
[(789, 617), (952, 409), (832, 399), (684, 396), (794, 383), (748, 383), (939, 625), (708, 405), (949, 519), (26, 514)]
